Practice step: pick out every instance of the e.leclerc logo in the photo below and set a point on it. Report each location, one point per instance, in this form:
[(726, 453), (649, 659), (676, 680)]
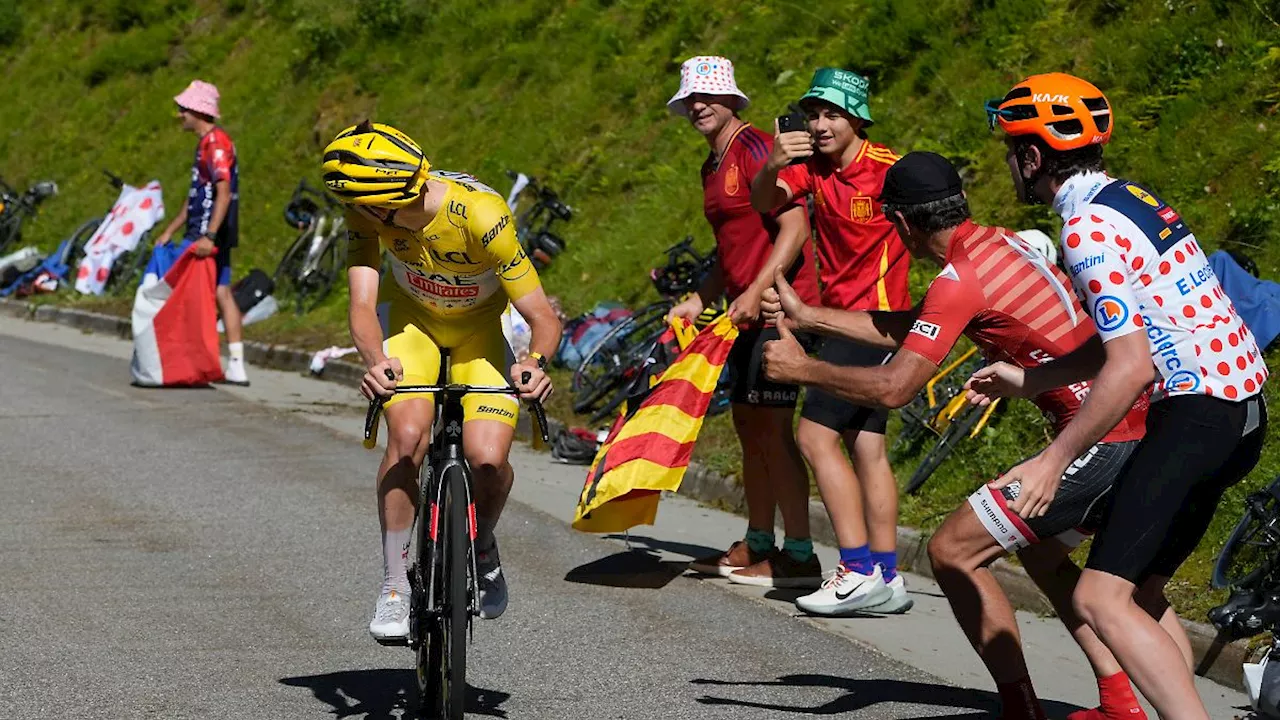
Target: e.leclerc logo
[(1110, 313), (1183, 381)]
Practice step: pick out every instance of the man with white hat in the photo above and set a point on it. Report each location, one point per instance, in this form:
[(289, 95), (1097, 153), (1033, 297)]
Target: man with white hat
[(211, 215), (750, 245)]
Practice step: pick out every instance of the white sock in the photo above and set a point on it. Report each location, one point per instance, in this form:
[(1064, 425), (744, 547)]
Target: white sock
[(395, 552), (237, 351)]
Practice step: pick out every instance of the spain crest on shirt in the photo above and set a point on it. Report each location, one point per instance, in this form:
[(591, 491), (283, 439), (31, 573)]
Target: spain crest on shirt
[(731, 180), (860, 208)]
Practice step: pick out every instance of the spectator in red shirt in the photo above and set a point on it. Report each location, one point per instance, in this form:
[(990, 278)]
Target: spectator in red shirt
[(862, 266), (210, 217), (749, 246)]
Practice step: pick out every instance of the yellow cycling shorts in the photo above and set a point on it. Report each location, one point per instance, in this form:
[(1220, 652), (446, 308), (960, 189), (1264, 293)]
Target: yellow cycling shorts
[(478, 355)]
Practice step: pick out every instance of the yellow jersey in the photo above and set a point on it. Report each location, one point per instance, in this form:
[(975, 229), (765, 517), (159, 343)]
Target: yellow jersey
[(467, 262)]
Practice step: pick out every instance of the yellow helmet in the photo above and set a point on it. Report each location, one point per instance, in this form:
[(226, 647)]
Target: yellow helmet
[(374, 164)]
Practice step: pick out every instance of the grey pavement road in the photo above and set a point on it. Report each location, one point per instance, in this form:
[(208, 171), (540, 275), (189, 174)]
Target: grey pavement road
[(190, 554)]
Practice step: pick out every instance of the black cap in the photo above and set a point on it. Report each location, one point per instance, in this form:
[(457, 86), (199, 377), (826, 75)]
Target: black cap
[(920, 177)]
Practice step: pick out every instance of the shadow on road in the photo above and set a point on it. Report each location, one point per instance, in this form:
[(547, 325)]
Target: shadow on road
[(689, 550), (861, 694), (388, 694), (628, 569)]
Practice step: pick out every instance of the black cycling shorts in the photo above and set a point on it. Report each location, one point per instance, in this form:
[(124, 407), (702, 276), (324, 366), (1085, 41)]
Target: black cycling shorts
[(840, 415), (746, 362), (1195, 448), (1077, 507)]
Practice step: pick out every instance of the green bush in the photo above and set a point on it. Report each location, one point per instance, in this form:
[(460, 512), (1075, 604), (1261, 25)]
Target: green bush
[(382, 18), (136, 51)]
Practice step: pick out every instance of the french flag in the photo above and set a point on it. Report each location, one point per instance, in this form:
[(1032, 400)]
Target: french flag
[(175, 333)]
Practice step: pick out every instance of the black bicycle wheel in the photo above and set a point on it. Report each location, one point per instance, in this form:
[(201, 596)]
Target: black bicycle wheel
[(444, 692), (604, 368), (127, 270), (956, 432), (1250, 552), (329, 268), (913, 415), (79, 238), (290, 267)]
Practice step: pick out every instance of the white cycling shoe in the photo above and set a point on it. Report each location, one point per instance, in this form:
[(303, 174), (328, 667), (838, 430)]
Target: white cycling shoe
[(390, 623), (493, 586), (847, 592)]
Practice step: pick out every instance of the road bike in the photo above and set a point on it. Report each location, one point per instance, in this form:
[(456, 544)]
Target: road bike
[(317, 258), (445, 596), (941, 409), (533, 224), (16, 208)]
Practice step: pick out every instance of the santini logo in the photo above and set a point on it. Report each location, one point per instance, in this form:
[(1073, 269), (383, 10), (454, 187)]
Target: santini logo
[(926, 329)]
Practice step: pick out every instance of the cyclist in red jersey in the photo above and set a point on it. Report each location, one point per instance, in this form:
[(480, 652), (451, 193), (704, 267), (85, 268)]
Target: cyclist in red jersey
[(1003, 295), (863, 266), (749, 246), (1163, 318)]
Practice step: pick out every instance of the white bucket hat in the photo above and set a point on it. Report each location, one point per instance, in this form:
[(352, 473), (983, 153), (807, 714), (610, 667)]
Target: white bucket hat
[(708, 74)]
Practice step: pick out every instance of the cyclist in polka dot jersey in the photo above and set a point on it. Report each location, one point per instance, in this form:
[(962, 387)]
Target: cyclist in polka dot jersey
[(1198, 342), (1163, 320)]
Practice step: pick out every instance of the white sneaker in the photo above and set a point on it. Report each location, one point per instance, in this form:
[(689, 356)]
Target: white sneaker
[(235, 374), (390, 617), (846, 592), (493, 586), (898, 603)]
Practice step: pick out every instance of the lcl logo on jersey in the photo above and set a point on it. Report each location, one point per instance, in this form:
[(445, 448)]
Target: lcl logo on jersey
[(1110, 313), (1182, 381), (1143, 195)]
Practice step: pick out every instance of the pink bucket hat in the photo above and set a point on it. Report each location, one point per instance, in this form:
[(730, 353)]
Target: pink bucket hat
[(200, 96), (709, 74)]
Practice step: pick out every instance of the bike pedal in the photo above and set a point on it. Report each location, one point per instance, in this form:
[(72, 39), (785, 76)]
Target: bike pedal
[(393, 641)]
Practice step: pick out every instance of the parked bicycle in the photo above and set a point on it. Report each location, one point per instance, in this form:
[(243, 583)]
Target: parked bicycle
[(941, 410), (533, 224), (445, 596), (16, 208), (317, 258), (128, 268), (602, 380)]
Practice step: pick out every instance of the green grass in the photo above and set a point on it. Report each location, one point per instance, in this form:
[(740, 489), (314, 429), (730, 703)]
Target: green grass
[(574, 92)]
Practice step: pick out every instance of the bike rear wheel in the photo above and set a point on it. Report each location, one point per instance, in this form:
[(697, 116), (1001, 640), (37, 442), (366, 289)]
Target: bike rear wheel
[(442, 655), (290, 267), (1250, 551)]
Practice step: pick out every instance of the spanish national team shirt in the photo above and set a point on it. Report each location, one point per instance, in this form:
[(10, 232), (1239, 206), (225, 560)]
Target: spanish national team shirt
[(215, 161), (1015, 307), (744, 237), (862, 262), (1140, 268)]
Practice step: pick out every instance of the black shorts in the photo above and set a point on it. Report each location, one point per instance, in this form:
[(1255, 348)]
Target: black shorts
[(1195, 448), (839, 415), (746, 363), (1077, 508)]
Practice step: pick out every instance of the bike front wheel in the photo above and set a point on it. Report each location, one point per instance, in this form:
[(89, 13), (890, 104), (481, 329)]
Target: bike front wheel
[(1250, 552), (955, 433), (442, 656)]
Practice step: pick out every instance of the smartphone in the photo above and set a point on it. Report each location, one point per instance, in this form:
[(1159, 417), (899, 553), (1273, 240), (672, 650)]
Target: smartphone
[(794, 121)]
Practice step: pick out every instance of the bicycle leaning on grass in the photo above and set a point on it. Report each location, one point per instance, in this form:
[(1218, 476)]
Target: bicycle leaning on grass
[(317, 258), (16, 208), (941, 410), (444, 595)]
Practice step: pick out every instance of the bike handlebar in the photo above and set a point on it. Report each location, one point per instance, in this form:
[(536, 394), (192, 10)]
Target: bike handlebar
[(375, 405), (116, 181)]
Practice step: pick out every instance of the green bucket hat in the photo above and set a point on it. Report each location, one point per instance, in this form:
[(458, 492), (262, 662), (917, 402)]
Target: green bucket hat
[(845, 89)]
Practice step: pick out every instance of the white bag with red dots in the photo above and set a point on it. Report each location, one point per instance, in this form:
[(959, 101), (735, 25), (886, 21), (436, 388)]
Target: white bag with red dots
[(135, 212)]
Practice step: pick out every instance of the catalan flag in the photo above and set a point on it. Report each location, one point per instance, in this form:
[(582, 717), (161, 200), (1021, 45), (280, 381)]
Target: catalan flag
[(648, 448)]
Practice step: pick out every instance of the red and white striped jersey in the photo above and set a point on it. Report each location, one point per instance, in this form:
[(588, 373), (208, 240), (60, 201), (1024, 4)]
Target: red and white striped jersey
[(1004, 296)]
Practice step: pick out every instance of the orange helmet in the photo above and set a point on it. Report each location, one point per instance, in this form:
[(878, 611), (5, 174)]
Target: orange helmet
[(1067, 113)]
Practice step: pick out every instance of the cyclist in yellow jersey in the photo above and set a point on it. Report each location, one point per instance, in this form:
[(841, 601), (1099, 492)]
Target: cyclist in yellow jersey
[(455, 264)]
